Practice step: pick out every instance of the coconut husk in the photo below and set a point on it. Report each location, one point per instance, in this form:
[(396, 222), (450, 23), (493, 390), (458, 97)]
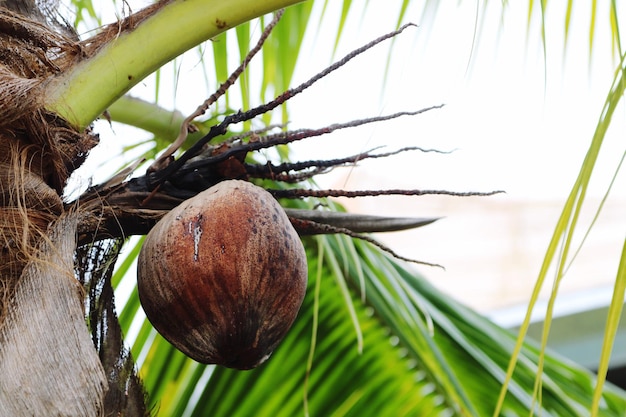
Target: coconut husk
[(38, 151), (30, 54)]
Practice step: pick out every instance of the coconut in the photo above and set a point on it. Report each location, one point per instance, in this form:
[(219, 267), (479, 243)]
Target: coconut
[(222, 276)]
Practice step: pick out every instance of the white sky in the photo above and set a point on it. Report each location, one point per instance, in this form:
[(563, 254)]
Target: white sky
[(511, 129), (510, 126)]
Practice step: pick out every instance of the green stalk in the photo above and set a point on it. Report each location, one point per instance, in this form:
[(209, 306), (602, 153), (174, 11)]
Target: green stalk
[(612, 323), (83, 93), (146, 116)]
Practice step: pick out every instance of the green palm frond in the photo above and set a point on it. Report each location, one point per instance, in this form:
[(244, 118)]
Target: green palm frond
[(421, 351), (471, 345)]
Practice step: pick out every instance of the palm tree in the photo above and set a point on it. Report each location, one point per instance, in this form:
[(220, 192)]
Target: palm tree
[(372, 337)]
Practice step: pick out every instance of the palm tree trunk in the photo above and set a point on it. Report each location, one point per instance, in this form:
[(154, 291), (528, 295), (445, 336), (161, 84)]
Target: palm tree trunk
[(47, 360)]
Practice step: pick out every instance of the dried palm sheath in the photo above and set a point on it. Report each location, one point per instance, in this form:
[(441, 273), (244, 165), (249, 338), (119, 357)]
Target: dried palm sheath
[(94, 268), (48, 364)]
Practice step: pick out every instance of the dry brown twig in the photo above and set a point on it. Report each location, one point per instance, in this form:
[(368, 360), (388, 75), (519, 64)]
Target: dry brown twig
[(186, 126)]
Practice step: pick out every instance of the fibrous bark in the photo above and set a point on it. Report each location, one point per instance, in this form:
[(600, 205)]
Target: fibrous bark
[(48, 364)]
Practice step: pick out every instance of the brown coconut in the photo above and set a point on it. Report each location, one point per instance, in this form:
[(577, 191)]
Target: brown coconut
[(223, 275)]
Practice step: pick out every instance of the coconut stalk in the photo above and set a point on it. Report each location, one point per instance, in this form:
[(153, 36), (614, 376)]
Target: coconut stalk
[(127, 52)]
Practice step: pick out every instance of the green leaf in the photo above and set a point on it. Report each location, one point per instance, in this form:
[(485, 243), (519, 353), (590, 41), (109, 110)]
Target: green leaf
[(612, 323)]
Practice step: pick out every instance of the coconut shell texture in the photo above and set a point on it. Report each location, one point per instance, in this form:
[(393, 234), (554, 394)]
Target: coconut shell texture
[(222, 276)]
